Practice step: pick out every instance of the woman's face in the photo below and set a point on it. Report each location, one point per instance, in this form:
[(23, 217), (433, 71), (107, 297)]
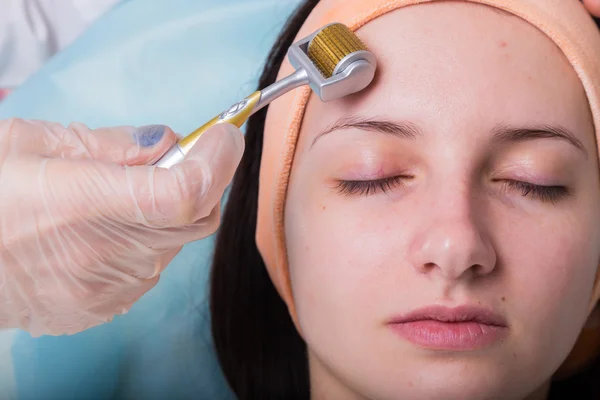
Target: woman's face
[(460, 190)]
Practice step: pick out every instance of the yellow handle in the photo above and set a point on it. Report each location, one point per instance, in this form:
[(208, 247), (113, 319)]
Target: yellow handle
[(237, 115)]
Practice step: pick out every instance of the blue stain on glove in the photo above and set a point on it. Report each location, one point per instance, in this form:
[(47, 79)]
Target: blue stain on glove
[(148, 136)]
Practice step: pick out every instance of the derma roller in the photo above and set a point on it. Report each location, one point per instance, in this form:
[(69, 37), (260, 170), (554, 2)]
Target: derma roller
[(333, 61)]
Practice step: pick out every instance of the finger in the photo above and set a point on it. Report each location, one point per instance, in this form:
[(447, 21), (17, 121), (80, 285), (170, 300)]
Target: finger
[(126, 145), (169, 238), (593, 7), (123, 145), (145, 196), (187, 192)]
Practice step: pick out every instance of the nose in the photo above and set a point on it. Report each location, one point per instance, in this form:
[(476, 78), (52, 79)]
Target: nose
[(452, 244)]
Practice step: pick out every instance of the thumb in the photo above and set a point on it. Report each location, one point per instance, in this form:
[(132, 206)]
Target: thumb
[(124, 145), (157, 197)]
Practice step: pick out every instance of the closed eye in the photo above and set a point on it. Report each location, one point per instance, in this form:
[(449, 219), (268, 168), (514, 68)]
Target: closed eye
[(369, 187), (546, 194)]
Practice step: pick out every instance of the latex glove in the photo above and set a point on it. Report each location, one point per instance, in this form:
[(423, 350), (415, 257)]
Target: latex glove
[(593, 7), (84, 232)]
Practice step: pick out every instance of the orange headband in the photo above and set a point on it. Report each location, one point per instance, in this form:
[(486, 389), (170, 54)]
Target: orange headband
[(566, 22)]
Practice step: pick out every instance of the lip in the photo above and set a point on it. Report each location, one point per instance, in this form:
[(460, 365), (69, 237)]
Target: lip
[(463, 328)]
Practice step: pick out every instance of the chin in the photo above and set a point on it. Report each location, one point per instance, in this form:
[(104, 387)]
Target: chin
[(451, 380)]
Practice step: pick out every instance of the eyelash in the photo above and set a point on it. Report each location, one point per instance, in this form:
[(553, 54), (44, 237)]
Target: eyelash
[(366, 188), (546, 194)]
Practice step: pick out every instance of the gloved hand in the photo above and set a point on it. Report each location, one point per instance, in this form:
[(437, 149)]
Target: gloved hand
[(86, 227), (593, 7)]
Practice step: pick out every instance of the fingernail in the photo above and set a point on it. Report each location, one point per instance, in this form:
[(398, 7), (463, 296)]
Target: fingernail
[(148, 136)]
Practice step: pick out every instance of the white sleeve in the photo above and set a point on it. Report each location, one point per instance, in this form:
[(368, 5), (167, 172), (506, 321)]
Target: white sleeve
[(31, 31)]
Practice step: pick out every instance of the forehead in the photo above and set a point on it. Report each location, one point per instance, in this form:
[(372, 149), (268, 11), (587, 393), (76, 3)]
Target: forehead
[(449, 63)]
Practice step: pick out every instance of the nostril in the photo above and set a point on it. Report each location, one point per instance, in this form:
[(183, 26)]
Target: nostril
[(429, 266), (479, 269)]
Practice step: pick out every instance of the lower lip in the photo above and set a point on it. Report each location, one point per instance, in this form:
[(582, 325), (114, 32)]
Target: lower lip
[(438, 335)]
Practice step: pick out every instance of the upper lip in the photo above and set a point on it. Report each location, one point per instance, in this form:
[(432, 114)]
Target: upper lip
[(463, 313)]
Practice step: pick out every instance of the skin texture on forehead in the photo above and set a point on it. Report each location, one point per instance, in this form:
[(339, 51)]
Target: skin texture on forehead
[(356, 261), (400, 56)]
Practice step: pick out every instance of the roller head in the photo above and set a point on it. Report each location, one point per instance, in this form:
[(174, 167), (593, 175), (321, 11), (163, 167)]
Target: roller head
[(336, 61), (331, 46)]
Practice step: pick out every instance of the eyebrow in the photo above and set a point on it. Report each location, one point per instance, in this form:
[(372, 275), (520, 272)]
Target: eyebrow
[(403, 130), (410, 131), (504, 134)]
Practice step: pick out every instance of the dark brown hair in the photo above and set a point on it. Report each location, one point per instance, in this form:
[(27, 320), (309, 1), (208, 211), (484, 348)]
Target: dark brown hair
[(261, 353), (259, 349)]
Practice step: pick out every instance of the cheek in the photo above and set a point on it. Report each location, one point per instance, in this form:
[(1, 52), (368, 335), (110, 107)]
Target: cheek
[(546, 273), (552, 262), (335, 256)]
